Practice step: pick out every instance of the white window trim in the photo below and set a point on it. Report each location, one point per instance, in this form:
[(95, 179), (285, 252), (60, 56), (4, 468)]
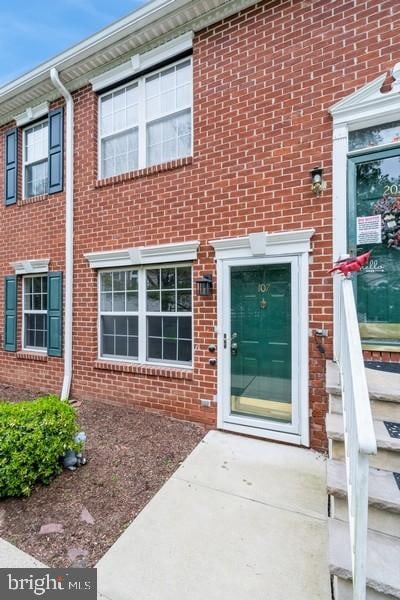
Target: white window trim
[(363, 108), (31, 114), (140, 62), (26, 164), (142, 122), (25, 348), (144, 255), (31, 266), (142, 314)]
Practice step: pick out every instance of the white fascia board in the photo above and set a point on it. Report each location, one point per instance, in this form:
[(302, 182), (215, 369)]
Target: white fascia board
[(31, 114), (144, 255), (31, 266), (285, 242), (140, 62)]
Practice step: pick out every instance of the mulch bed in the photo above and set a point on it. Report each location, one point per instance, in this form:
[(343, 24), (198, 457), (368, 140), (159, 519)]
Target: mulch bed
[(130, 453)]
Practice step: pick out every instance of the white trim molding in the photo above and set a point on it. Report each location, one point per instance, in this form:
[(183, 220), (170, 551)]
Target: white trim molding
[(365, 107), (140, 62), (144, 255), (264, 244), (266, 248), (31, 114), (30, 266)]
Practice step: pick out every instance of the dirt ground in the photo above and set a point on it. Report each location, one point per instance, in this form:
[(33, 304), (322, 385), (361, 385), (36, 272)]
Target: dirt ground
[(130, 453)]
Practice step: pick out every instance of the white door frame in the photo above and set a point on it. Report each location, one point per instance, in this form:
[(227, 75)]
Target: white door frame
[(263, 248)]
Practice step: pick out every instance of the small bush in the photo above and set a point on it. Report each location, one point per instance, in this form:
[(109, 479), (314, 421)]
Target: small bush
[(33, 436)]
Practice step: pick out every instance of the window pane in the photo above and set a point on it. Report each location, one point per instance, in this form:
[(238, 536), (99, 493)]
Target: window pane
[(168, 278), (170, 327), (119, 281), (169, 138), (154, 348), (131, 280), (119, 153), (378, 135), (108, 325), (36, 179), (107, 345), (185, 328), (169, 349), (168, 301), (184, 351), (36, 331), (119, 110), (119, 336), (36, 143), (153, 301), (184, 301), (106, 302), (153, 279), (132, 303), (184, 277), (106, 282), (119, 301), (133, 347), (154, 326)]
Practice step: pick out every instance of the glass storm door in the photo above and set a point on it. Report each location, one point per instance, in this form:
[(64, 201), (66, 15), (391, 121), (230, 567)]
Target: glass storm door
[(262, 391), (374, 224)]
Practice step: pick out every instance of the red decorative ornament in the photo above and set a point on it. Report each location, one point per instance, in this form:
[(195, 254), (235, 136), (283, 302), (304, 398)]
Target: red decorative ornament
[(351, 265)]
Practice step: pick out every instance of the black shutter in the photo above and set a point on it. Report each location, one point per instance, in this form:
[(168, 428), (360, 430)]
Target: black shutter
[(10, 313), (56, 162), (11, 161)]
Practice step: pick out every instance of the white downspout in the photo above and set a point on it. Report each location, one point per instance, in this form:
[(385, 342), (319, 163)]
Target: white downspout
[(69, 230)]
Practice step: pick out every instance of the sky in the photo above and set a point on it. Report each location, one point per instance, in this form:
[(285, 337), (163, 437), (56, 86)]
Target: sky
[(32, 31)]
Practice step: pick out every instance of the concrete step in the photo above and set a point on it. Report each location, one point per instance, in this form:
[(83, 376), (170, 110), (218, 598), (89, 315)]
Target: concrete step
[(383, 497), (381, 409), (388, 457), (382, 386), (343, 590), (383, 559)]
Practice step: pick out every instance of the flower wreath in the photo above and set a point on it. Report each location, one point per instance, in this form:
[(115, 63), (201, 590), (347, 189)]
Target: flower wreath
[(389, 209)]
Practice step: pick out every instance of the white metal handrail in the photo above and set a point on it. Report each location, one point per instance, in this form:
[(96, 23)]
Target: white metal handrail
[(359, 434)]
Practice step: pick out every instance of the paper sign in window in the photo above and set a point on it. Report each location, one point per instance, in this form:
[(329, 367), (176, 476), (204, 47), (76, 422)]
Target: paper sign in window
[(369, 230)]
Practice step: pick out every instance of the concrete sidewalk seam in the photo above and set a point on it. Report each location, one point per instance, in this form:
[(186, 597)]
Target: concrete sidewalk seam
[(281, 508)]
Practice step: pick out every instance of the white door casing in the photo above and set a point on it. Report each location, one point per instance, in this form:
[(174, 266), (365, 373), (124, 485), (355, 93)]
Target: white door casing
[(262, 248)]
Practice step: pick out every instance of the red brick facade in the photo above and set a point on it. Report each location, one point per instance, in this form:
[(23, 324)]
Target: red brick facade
[(263, 81)]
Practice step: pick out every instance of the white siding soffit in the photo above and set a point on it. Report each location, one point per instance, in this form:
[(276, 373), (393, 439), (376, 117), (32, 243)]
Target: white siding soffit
[(140, 62), (33, 265), (264, 244), (144, 255)]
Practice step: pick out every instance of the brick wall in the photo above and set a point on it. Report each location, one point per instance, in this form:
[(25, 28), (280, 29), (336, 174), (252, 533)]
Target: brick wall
[(263, 82)]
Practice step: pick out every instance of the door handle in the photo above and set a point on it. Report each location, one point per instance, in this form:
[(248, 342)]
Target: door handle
[(234, 348)]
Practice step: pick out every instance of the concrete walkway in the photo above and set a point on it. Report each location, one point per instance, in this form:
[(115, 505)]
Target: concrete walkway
[(240, 519), (12, 557)]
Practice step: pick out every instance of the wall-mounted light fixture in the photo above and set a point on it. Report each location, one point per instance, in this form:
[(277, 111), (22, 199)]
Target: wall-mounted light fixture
[(204, 285), (317, 183)]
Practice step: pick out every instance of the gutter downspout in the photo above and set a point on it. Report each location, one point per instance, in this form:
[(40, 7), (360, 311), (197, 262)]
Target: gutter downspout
[(69, 229)]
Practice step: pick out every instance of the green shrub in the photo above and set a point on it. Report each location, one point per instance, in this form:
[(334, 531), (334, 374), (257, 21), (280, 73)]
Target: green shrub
[(33, 436)]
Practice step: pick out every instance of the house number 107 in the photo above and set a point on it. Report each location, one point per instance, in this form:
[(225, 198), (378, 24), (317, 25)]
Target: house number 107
[(263, 287)]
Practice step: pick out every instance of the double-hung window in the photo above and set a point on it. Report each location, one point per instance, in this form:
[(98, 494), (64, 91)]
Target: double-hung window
[(35, 312), (36, 149), (145, 314), (147, 122)]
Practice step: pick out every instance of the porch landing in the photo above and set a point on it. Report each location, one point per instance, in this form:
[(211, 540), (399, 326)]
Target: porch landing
[(241, 518)]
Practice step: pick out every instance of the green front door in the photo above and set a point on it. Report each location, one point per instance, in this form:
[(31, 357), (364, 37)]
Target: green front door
[(261, 342), (374, 224)]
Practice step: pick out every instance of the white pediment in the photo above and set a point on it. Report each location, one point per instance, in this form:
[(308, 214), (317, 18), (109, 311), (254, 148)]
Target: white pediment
[(369, 105)]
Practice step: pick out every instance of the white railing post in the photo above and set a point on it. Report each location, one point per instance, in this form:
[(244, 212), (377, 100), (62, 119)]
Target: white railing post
[(359, 434)]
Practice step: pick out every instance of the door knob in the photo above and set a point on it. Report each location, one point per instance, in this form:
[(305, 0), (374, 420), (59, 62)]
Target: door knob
[(234, 348)]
